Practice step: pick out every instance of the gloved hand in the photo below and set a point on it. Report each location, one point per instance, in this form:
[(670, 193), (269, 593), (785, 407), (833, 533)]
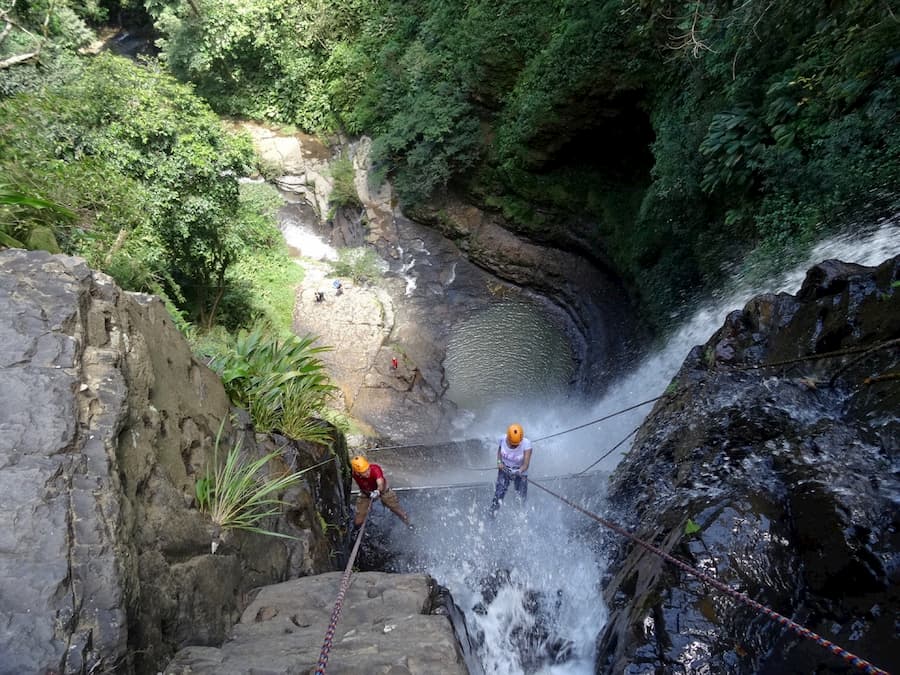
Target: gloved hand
[(374, 494)]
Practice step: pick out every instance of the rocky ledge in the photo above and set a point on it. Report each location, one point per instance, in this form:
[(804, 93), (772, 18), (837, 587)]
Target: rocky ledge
[(772, 466), (391, 624)]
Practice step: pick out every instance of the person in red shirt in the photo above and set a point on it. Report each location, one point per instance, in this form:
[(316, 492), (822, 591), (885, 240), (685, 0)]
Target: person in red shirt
[(373, 485)]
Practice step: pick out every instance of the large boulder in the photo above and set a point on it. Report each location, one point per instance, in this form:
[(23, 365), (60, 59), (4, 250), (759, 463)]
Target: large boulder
[(391, 624), (106, 424), (772, 468)]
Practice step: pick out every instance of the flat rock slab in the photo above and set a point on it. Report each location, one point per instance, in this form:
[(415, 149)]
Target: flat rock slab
[(385, 628)]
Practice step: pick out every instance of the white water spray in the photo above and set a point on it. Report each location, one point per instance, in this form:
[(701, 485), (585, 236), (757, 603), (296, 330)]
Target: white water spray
[(573, 452), (301, 236), (541, 548)]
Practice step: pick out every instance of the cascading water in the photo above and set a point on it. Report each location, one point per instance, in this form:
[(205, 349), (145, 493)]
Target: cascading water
[(529, 583)]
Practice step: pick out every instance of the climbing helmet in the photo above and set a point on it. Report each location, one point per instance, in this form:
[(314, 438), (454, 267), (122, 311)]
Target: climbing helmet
[(514, 434)]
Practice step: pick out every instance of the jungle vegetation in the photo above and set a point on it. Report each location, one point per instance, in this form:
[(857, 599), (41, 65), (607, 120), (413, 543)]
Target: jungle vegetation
[(672, 136)]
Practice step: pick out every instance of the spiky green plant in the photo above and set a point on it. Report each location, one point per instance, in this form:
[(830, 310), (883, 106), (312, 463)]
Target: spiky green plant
[(22, 224), (238, 494), (280, 380)]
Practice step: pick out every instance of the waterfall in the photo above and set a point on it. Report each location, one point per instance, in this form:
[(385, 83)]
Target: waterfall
[(529, 583), (573, 452)]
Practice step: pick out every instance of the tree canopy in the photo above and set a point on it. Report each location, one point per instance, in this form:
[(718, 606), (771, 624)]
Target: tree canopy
[(670, 135)]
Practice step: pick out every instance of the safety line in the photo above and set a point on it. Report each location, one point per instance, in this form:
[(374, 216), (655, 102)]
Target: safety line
[(542, 438), (339, 603), (462, 486), (837, 650), (823, 355), (611, 450), (601, 419)]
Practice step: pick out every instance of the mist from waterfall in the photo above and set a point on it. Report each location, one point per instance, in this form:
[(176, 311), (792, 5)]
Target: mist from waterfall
[(541, 544), (573, 452)]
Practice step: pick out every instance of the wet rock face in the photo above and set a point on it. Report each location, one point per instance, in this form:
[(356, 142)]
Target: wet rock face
[(778, 480)]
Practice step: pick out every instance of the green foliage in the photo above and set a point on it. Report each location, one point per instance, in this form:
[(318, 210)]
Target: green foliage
[(240, 493), (690, 527), (262, 288), (359, 264), (265, 58), (145, 165), (762, 126), (280, 380), (24, 221), (344, 191)]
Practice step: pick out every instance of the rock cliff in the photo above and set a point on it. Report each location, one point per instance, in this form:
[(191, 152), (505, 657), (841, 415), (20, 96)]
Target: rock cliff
[(107, 422), (772, 467)]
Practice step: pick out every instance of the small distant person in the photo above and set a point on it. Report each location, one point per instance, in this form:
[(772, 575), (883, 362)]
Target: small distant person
[(373, 485), (320, 296), (513, 458), (338, 287), (394, 363)]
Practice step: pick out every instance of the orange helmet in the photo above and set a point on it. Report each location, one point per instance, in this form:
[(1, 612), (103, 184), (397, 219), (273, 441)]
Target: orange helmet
[(514, 434), (359, 464)]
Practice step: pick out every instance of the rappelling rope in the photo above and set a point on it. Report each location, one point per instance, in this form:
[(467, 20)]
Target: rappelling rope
[(610, 451), (601, 419), (823, 355), (849, 657), (339, 602), (542, 438)]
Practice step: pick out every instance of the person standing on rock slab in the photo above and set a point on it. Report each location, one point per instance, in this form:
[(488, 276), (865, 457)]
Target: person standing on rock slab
[(513, 458), (373, 485)]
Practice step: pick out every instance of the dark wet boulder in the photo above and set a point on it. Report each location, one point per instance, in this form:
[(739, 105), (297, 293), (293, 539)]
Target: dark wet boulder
[(771, 467)]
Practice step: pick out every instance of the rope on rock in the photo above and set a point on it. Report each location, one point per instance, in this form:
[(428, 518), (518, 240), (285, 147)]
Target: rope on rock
[(823, 355), (849, 657), (339, 602)]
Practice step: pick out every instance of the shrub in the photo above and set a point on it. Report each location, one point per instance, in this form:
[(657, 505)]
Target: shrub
[(238, 494), (344, 191), (359, 264), (279, 380)]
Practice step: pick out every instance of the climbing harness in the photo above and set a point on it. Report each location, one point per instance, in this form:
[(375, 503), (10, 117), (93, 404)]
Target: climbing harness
[(339, 602), (837, 650)]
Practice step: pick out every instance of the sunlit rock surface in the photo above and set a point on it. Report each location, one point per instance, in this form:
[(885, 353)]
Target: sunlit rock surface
[(106, 423), (790, 473), (390, 624)]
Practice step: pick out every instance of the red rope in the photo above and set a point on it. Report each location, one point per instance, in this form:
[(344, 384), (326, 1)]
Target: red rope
[(849, 657), (339, 602)]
